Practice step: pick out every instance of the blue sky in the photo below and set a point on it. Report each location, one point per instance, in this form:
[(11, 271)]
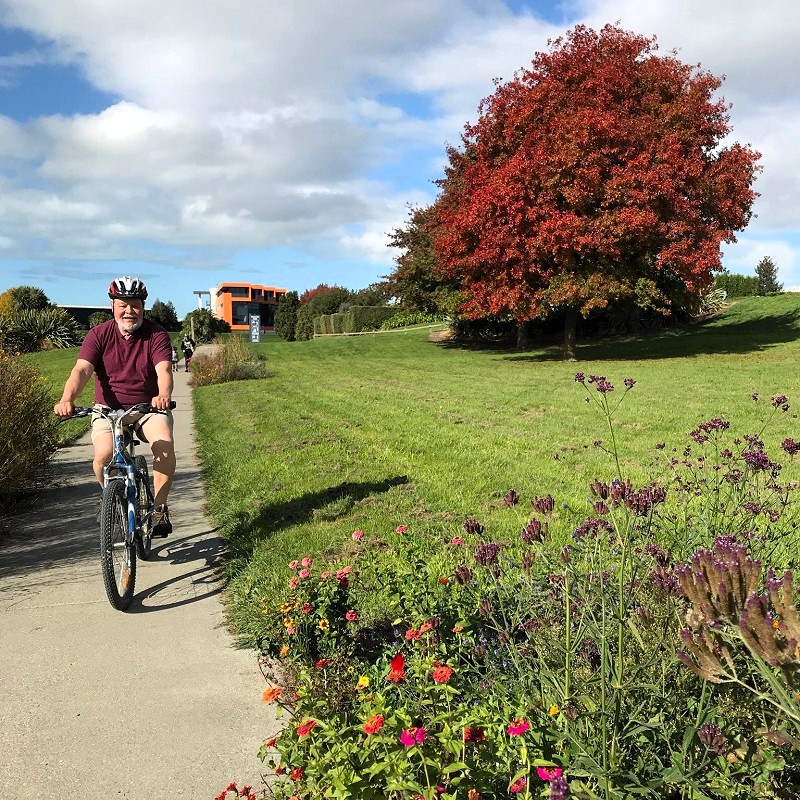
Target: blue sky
[(192, 143)]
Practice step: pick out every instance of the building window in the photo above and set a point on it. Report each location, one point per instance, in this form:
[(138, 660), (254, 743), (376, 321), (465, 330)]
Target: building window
[(238, 291)]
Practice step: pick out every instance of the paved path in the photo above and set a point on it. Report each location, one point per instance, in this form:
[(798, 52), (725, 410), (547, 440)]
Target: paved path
[(97, 704)]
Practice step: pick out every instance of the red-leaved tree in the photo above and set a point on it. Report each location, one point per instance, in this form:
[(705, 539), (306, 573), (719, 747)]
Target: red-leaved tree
[(594, 177)]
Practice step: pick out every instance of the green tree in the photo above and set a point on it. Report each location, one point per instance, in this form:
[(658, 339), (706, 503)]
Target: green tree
[(767, 274), (164, 314), (376, 294), (322, 302), (286, 316), (203, 326), (98, 318), (416, 282)]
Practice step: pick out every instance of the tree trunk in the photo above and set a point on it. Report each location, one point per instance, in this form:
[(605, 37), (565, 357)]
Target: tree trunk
[(570, 325), (524, 335)]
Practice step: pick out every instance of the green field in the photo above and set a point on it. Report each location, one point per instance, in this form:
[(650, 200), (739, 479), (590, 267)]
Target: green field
[(374, 431)]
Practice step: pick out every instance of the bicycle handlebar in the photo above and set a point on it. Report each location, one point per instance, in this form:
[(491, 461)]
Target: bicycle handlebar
[(141, 408)]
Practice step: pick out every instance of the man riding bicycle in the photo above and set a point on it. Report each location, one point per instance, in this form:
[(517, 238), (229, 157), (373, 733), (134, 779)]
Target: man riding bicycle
[(131, 359)]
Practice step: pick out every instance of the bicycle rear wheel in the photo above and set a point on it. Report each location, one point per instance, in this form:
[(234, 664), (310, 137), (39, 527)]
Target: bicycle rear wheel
[(117, 554), (144, 541)]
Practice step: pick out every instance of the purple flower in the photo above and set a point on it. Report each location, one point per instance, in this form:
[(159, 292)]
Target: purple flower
[(629, 383), (790, 446), (754, 396), (511, 499), (473, 526), (544, 505), (559, 788), (712, 737), (604, 386), (781, 402), (579, 377), (534, 531), (486, 553)]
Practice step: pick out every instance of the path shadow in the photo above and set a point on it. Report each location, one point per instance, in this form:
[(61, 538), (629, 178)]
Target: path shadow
[(723, 335), (248, 530)]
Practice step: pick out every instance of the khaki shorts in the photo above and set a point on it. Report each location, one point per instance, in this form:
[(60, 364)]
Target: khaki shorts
[(102, 426)]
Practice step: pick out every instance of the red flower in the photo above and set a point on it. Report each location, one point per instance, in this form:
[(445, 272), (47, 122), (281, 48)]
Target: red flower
[(518, 786), (304, 728), (351, 616), (442, 674), (307, 608), (412, 634), (279, 770), (476, 735), (271, 742), (296, 773), (518, 727), (400, 529), (323, 662), (396, 669), (373, 724)]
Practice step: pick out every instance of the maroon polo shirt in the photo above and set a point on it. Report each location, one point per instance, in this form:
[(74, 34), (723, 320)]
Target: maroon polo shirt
[(125, 369)]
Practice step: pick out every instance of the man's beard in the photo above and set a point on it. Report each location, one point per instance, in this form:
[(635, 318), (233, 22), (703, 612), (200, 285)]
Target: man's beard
[(130, 325)]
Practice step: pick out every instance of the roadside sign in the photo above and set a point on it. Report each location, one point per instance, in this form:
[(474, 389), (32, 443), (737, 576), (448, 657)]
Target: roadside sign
[(255, 328)]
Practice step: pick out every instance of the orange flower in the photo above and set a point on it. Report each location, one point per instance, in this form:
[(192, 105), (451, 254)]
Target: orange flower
[(373, 724), (284, 651), (442, 674), (271, 694), (271, 742), (425, 627)]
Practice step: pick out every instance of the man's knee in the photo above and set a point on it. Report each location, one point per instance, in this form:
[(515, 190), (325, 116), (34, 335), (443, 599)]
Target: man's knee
[(163, 455)]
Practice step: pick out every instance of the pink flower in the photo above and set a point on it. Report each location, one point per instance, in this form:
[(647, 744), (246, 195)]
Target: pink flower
[(293, 583), (518, 727), (358, 536), (325, 575), (304, 573), (351, 616), (518, 786), (548, 773), (294, 564), (456, 540), (307, 608), (307, 561), (400, 529), (411, 736)]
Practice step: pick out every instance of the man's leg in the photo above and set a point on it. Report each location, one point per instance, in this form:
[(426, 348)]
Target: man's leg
[(103, 443), (157, 430)]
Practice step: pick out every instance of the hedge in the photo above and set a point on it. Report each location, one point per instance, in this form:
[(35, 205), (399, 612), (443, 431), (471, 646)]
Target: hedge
[(354, 320)]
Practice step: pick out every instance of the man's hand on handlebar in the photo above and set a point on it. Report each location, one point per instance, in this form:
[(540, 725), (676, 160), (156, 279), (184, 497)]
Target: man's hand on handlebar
[(161, 403), (64, 409)]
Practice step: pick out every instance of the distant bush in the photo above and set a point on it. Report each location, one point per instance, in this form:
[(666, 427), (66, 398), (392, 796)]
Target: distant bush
[(413, 318), (286, 316), (232, 360), (322, 302), (206, 325), (29, 331), (737, 285), (366, 318), (28, 427), (98, 318)]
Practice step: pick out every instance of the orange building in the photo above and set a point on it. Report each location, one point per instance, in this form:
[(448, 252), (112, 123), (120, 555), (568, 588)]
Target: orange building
[(235, 302)]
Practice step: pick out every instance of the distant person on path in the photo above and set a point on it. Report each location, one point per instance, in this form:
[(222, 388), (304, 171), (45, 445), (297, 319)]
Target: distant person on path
[(187, 345), (131, 359), (174, 359)]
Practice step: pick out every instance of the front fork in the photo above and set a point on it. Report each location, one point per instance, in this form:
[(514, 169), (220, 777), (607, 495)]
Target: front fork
[(130, 491)]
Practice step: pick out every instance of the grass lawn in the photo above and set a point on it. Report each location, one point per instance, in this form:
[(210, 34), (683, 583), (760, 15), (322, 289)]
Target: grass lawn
[(374, 431)]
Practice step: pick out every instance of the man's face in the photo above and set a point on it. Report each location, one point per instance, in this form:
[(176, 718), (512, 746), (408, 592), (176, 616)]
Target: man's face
[(128, 314)]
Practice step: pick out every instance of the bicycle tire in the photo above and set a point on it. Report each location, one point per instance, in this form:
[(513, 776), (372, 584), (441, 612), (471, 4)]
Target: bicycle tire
[(117, 557), (144, 542)]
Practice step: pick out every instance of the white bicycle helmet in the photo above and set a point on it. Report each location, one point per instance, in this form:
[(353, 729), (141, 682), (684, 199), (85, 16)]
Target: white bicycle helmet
[(127, 287)]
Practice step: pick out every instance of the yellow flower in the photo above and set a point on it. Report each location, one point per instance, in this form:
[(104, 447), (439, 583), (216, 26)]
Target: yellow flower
[(324, 624), (288, 622), (286, 607), (363, 682), (553, 711), (284, 651)]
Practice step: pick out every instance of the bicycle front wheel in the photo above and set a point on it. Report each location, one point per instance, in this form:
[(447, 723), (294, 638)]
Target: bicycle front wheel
[(144, 539), (117, 552)]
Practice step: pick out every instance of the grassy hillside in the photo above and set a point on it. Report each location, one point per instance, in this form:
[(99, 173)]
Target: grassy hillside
[(373, 431)]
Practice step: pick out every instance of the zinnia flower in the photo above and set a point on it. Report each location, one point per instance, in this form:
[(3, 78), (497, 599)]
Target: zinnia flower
[(296, 773), (401, 529), (373, 724), (294, 564), (304, 728), (396, 669), (518, 786), (411, 736), (323, 662), (358, 536), (457, 540), (548, 773), (442, 674), (271, 694), (293, 582), (304, 573), (307, 561), (518, 727), (351, 616)]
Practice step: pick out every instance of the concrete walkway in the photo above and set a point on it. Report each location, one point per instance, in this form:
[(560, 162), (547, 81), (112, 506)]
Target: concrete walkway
[(97, 704)]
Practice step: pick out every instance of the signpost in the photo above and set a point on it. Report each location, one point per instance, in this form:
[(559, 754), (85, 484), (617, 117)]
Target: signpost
[(255, 328)]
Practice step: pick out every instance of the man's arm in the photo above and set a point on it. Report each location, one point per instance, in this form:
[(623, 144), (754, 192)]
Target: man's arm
[(165, 386), (78, 378)]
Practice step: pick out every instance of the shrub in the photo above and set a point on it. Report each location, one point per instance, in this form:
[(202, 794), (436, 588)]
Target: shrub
[(99, 317), (203, 326), (30, 331), (319, 303), (404, 320), (366, 318), (233, 360), (286, 316), (737, 285), (28, 427)]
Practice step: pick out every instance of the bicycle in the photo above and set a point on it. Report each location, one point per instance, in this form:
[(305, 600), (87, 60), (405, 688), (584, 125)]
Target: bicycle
[(126, 510)]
